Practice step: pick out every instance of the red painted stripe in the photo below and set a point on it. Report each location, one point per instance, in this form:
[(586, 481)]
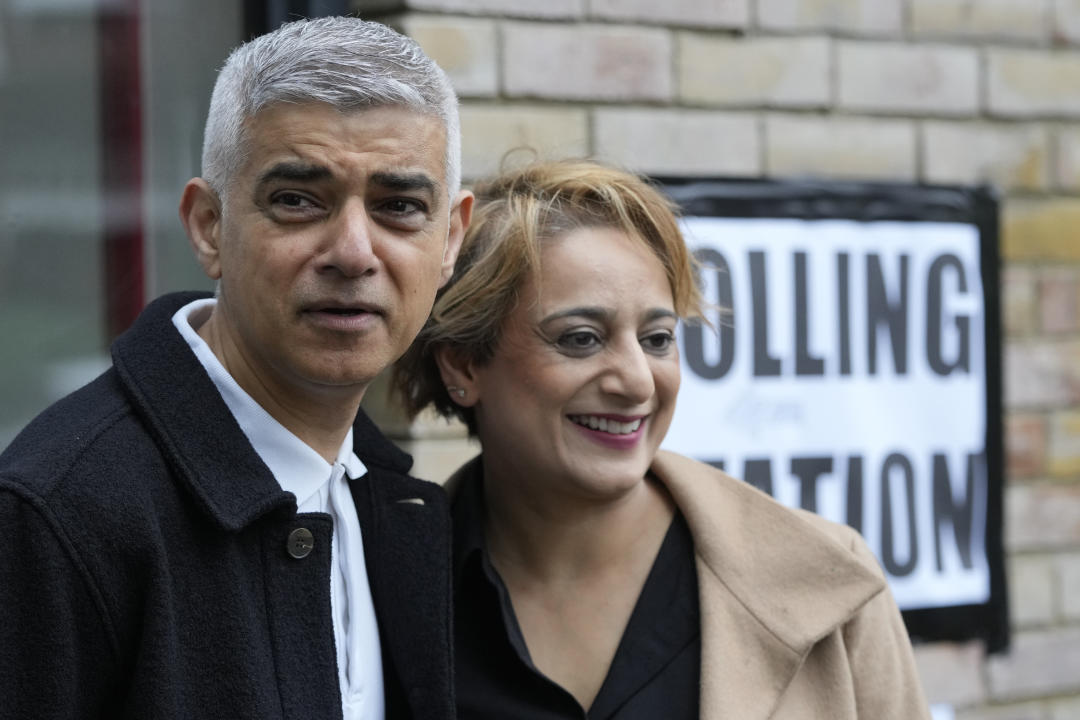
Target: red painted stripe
[(122, 159)]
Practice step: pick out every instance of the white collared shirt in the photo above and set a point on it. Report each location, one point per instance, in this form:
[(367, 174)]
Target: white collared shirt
[(318, 487)]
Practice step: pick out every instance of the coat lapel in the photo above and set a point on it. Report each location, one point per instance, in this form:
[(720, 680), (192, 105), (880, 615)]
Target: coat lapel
[(192, 425), (771, 585), (406, 531)]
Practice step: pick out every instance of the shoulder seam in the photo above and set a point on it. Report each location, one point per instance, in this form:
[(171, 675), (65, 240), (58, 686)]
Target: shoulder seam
[(94, 433), (40, 506)]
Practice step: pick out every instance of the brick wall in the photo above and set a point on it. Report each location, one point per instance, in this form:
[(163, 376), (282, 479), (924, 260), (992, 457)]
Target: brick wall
[(938, 91)]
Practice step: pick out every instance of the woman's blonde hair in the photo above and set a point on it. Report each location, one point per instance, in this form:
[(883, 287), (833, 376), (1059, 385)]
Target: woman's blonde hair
[(515, 213)]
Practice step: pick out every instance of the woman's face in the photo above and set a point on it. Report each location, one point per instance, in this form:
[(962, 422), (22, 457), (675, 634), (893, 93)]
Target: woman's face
[(581, 389)]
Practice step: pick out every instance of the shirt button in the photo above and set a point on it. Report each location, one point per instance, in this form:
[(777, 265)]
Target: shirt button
[(301, 542)]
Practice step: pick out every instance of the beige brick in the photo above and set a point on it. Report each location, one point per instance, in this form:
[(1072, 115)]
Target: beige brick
[(1032, 590), (1059, 299), (437, 459), (679, 142), (1033, 83), (1014, 711), (381, 405), (779, 72), (874, 17), (951, 673), (687, 13), (438, 445), (1025, 444), (489, 131), (1042, 516), (1063, 449), (1067, 158), (1038, 663), (1040, 229), (904, 78), (1065, 25), (1065, 708), (464, 47), (1011, 19), (1019, 301), (1008, 156), (587, 62), (840, 147), (1041, 374), (514, 8), (1069, 578)]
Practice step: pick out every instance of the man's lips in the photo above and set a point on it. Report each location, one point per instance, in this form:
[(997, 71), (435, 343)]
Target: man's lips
[(342, 311), (343, 316), (337, 307)]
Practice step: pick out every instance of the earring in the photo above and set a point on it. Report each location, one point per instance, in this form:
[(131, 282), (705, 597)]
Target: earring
[(460, 392)]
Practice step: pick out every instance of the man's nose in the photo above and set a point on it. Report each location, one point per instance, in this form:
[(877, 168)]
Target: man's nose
[(350, 244)]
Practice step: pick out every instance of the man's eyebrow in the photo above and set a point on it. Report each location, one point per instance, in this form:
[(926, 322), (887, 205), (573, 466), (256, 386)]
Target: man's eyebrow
[(405, 181), (295, 172)]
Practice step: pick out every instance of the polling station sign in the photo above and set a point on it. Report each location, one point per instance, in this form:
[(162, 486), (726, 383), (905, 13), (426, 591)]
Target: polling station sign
[(853, 370)]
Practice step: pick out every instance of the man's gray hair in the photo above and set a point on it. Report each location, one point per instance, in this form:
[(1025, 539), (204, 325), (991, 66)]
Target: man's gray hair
[(345, 62)]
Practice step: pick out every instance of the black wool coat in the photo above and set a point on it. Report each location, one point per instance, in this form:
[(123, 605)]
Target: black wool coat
[(144, 571)]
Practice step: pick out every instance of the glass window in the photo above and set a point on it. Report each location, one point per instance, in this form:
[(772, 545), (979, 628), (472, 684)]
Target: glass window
[(102, 104)]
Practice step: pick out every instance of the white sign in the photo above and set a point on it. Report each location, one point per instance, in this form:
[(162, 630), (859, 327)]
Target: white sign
[(847, 376), (942, 712)]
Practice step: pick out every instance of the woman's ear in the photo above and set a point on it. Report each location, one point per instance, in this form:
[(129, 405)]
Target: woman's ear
[(457, 371)]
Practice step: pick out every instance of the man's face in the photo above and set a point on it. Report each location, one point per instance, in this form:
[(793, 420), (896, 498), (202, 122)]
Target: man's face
[(331, 242)]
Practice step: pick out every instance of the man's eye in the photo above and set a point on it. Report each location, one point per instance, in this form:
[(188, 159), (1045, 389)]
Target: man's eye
[(403, 206), (292, 201)]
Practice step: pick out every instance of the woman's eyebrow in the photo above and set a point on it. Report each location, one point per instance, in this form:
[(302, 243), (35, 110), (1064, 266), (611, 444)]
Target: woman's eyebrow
[(660, 314), (599, 313), (589, 312)]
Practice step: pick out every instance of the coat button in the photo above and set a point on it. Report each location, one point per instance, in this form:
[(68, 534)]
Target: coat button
[(301, 542)]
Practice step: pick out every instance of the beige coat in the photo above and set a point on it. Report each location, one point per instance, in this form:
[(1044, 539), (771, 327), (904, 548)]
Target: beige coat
[(796, 619)]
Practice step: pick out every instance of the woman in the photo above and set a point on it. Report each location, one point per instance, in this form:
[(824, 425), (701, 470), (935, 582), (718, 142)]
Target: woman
[(597, 576)]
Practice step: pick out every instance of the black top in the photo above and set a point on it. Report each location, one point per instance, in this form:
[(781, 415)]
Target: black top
[(654, 672)]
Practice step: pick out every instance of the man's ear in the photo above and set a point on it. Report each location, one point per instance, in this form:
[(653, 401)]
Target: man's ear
[(200, 212), (460, 217), (458, 371)]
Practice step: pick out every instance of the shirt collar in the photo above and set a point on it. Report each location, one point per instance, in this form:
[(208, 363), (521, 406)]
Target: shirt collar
[(294, 464)]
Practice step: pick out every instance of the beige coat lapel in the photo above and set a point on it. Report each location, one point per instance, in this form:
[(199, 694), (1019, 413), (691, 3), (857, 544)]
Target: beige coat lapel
[(771, 584)]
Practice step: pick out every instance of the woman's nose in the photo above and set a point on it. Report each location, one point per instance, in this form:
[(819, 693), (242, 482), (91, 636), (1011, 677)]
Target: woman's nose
[(630, 374)]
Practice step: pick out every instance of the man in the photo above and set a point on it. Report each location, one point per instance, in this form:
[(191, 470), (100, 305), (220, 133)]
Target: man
[(213, 528)]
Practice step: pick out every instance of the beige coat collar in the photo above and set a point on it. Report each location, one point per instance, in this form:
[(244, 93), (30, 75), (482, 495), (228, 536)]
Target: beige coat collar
[(772, 583)]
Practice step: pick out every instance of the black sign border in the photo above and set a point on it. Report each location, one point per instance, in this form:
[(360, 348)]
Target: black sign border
[(813, 199)]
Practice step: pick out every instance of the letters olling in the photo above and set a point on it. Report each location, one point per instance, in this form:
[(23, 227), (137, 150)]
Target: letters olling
[(889, 321)]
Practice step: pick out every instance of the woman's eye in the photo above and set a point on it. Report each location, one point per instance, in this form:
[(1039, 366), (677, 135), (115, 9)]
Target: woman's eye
[(658, 342), (579, 340)]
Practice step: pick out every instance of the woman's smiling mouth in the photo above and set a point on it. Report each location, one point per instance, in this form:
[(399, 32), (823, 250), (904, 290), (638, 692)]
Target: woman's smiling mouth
[(606, 424)]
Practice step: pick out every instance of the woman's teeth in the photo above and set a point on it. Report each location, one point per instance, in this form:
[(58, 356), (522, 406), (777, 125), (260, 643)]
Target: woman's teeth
[(605, 425)]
